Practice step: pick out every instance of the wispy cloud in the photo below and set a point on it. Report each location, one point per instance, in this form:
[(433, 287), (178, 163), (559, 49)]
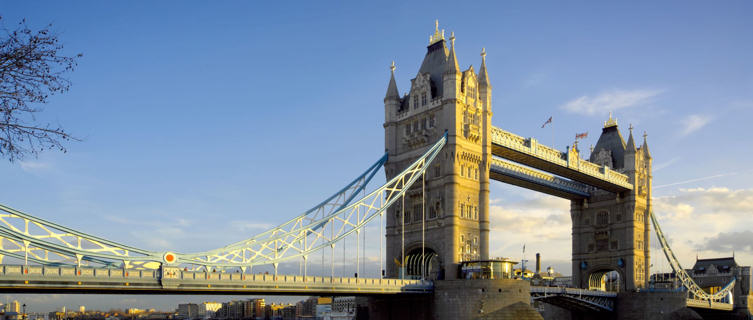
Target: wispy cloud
[(34, 166), (693, 123), (720, 175), (610, 101), (666, 164)]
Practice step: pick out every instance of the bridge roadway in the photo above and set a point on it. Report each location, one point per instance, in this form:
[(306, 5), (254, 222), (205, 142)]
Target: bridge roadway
[(62, 279)]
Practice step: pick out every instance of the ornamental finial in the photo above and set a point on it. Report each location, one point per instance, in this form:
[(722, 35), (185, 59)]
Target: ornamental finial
[(483, 53), (392, 67), (645, 135), (437, 36), (630, 128), (611, 122), (452, 38)]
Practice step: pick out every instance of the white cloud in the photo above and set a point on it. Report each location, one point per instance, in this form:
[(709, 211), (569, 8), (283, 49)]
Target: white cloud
[(610, 101), (34, 166), (710, 222), (693, 123), (541, 222)]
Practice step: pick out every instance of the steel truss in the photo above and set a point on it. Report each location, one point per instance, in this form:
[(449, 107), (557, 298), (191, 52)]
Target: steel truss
[(36, 240), (694, 291)]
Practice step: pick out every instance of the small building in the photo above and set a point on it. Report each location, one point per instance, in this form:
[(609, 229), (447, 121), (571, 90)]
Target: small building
[(714, 274), (500, 268)]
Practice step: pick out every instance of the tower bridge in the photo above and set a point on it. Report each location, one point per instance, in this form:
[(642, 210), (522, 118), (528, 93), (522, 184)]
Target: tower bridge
[(442, 152)]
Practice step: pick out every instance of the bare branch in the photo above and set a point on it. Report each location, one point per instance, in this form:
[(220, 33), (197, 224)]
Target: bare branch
[(31, 70)]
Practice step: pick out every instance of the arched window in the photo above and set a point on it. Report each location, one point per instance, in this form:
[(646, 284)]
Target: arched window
[(602, 218)]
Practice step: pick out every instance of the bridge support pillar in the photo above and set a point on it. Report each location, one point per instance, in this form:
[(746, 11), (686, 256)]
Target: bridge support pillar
[(653, 305), (459, 299)]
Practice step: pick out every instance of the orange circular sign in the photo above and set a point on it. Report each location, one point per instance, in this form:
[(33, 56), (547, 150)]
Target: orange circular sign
[(169, 257)]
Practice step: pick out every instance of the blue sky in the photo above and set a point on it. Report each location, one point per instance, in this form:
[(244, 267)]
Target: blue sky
[(203, 123)]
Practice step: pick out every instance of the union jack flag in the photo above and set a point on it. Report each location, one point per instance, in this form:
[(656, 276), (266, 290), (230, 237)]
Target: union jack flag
[(547, 122), (581, 135)]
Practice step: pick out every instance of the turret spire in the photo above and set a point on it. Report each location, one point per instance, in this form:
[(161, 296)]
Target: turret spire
[(392, 92), (644, 147), (483, 77), (631, 143), (452, 61)]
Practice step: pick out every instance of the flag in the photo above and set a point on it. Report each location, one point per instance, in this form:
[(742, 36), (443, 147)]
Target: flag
[(581, 135), (547, 122)]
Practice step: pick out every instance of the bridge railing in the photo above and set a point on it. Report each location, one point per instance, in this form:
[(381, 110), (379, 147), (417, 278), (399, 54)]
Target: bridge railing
[(572, 291), (172, 278), (532, 147), (505, 165)]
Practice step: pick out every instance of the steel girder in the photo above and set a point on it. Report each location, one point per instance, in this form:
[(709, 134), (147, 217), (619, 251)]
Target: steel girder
[(32, 239), (693, 289)]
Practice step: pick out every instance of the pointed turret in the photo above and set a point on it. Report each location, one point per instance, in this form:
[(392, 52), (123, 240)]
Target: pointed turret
[(610, 148), (452, 61), (630, 148), (483, 77), (644, 147), (392, 92)]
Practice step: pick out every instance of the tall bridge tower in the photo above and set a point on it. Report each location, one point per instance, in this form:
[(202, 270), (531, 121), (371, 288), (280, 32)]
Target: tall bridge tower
[(451, 218), (611, 231)]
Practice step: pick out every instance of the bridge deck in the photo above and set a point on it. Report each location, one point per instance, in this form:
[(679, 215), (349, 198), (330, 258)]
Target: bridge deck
[(515, 174), (529, 152), (28, 279), (705, 304)]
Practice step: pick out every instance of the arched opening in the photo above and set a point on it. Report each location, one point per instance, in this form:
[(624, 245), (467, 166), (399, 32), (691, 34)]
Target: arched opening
[(416, 266), (605, 280)]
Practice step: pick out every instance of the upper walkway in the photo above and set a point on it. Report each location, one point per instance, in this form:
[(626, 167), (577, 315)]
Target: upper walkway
[(566, 164)]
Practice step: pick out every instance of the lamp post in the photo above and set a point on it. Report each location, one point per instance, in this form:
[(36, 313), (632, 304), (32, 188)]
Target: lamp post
[(23, 315)]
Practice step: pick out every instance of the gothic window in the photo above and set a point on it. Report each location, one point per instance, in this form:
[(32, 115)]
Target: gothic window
[(432, 212), (417, 213), (424, 121), (602, 218), (436, 171), (476, 174), (415, 125), (431, 121), (407, 129), (475, 213), (423, 99), (406, 216), (415, 101), (462, 211)]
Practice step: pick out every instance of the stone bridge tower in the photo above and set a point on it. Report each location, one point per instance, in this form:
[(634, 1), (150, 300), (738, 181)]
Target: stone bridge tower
[(454, 210), (611, 232)]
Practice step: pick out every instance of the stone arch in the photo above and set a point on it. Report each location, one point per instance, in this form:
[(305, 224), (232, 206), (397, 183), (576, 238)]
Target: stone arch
[(606, 278), (415, 267)]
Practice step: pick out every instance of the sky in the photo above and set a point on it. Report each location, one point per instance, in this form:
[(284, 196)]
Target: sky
[(203, 123)]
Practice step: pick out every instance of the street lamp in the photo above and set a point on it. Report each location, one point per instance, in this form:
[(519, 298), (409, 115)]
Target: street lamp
[(23, 315)]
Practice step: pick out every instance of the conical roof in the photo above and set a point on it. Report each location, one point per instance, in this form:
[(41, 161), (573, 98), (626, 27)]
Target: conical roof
[(631, 143), (392, 92), (483, 77), (452, 61), (611, 140), (644, 147)]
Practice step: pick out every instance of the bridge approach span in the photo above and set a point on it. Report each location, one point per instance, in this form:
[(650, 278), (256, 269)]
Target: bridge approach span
[(65, 279)]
